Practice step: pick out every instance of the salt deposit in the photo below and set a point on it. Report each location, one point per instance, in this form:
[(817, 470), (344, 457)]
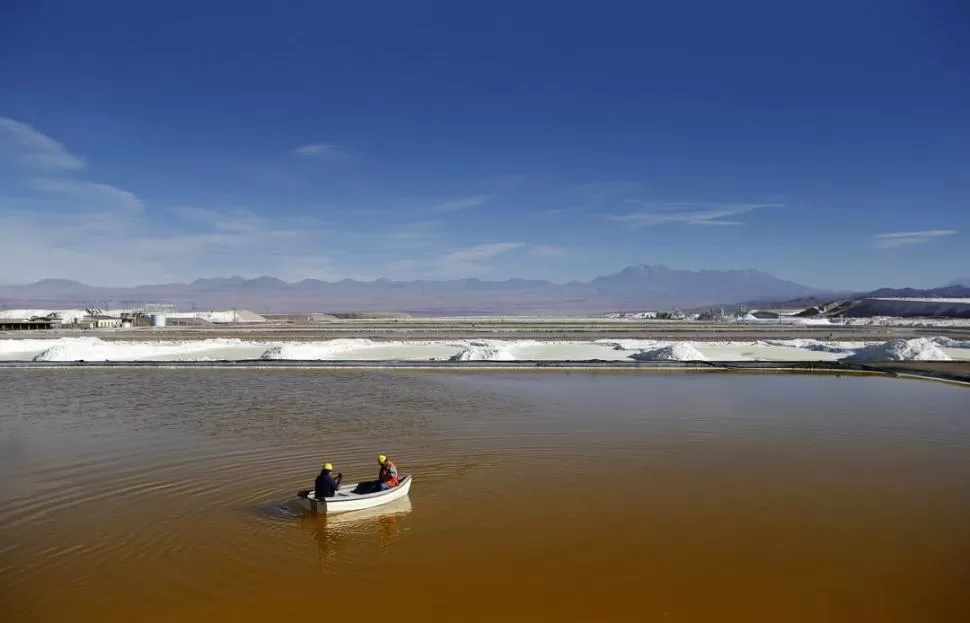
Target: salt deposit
[(360, 349), (94, 349), (678, 351), (948, 342), (67, 316), (632, 344), (482, 350), (888, 321), (815, 345), (31, 347), (312, 351), (919, 349), (219, 317), (792, 320), (531, 350)]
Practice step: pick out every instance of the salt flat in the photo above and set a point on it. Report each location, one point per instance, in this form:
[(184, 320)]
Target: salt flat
[(66, 349), (492, 339)]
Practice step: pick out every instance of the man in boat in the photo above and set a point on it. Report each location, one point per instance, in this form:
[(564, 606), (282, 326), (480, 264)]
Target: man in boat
[(387, 477), (326, 485)]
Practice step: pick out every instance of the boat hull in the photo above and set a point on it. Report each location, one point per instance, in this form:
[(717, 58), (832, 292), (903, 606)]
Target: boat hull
[(345, 501)]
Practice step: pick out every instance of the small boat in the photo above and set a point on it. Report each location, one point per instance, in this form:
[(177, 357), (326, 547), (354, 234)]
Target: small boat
[(399, 507), (346, 500)]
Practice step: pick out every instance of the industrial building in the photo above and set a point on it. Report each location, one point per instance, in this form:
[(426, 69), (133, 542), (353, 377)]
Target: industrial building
[(26, 325)]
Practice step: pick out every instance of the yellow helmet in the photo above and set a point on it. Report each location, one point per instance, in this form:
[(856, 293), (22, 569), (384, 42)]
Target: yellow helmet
[(381, 458), (328, 466)]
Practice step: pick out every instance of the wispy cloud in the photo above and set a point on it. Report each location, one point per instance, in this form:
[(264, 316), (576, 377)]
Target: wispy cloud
[(461, 203), (603, 192), (100, 195), (653, 214), (97, 232), (236, 221), (543, 250), (471, 261), (480, 252), (906, 238), (35, 150), (415, 234), (587, 198), (322, 150), (718, 223), (121, 247)]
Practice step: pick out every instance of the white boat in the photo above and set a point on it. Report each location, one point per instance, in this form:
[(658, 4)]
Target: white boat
[(345, 500), (356, 519)]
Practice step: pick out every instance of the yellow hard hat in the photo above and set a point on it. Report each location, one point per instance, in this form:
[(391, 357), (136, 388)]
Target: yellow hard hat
[(328, 466), (381, 458)]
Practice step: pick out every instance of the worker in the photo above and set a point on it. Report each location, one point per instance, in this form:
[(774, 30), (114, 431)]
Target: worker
[(326, 485), (388, 474), (386, 478)]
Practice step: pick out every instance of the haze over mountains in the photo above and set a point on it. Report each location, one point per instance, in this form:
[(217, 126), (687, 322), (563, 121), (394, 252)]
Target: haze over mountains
[(634, 287)]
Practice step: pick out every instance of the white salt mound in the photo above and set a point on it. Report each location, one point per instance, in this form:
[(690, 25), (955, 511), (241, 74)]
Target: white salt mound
[(632, 344), (948, 342), (816, 346), (220, 317), (315, 351), (94, 349), (481, 350), (919, 349), (678, 351), (26, 346)]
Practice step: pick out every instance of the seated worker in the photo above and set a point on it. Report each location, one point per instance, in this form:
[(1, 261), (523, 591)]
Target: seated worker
[(387, 477), (326, 485)]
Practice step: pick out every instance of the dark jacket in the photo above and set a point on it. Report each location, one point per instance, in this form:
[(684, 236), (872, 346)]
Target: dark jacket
[(325, 485)]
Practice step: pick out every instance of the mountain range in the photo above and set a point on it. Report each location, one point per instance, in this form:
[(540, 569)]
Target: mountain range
[(952, 291), (635, 287)]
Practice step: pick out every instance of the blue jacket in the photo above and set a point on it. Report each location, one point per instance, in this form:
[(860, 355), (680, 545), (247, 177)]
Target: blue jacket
[(325, 485)]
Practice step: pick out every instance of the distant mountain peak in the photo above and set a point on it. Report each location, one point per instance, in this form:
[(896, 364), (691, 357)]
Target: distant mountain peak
[(265, 280), (55, 282), (235, 279), (646, 268)]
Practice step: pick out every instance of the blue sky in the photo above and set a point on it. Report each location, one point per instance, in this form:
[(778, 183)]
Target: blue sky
[(824, 142)]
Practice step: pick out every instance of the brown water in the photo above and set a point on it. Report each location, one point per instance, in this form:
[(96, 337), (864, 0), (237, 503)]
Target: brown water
[(167, 496)]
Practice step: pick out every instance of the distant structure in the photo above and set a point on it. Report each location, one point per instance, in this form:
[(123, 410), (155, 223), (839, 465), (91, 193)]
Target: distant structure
[(675, 314), (643, 315), (98, 319), (762, 314), (26, 325), (158, 308), (892, 307), (152, 314), (712, 314)]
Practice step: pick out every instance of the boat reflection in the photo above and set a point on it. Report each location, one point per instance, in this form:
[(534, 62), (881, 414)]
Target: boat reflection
[(333, 531)]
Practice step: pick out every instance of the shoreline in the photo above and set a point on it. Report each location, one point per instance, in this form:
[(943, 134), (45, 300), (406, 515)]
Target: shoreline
[(955, 372)]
